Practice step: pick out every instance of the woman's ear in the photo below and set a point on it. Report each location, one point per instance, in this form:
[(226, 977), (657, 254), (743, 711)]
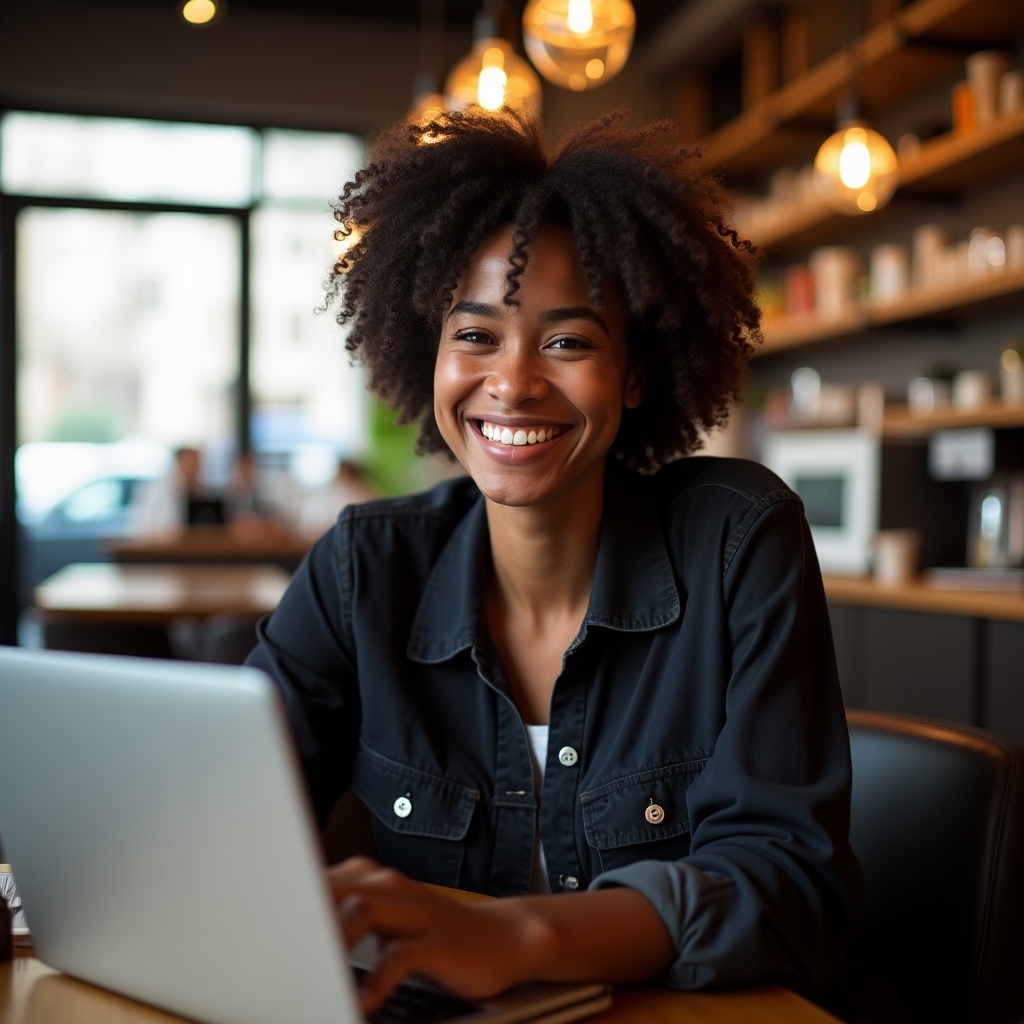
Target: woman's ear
[(636, 379)]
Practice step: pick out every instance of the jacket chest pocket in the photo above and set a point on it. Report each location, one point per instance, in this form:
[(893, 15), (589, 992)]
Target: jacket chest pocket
[(420, 821), (641, 816)]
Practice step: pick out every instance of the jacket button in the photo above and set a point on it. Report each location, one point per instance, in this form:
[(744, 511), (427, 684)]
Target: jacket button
[(570, 882), (403, 807), (655, 814), (568, 756)]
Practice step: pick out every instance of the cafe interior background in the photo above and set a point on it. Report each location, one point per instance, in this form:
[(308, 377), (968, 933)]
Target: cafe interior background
[(165, 229)]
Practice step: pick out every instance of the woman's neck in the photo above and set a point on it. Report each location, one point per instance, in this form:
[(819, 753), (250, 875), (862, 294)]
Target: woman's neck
[(544, 556)]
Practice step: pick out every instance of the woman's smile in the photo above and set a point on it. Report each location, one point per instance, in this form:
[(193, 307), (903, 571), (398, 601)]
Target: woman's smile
[(518, 435)]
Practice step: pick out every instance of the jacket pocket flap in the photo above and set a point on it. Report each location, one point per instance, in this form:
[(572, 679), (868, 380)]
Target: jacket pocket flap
[(641, 808), (411, 801)]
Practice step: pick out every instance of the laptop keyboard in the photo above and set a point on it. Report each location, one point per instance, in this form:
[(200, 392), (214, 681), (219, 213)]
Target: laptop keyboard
[(413, 1004)]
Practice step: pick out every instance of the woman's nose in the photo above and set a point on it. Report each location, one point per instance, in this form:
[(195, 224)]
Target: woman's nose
[(516, 377)]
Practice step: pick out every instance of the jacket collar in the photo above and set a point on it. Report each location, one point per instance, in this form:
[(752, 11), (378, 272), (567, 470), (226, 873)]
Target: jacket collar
[(634, 586)]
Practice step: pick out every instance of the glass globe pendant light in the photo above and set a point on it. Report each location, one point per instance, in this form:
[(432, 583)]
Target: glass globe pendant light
[(493, 76), (856, 169), (578, 44)]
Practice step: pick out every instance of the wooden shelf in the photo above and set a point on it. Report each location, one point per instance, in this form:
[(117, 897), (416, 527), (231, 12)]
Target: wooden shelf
[(969, 297), (951, 164), (798, 331), (954, 163), (920, 44), (900, 421), (966, 297), (988, 604)]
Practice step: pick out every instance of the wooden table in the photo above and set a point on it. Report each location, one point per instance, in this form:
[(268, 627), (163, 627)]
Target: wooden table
[(31, 993), (148, 610), (229, 544), (104, 592)]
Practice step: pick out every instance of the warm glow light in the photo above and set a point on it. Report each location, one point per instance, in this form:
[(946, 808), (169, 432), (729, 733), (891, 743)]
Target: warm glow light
[(580, 18), (856, 169), (854, 162), (493, 76), (578, 44), (199, 12), (491, 87), (427, 107), (344, 242)]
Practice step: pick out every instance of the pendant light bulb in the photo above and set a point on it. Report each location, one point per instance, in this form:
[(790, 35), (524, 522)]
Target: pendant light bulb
[(200, 12), (493, 76), (578, 44), (856, 169)]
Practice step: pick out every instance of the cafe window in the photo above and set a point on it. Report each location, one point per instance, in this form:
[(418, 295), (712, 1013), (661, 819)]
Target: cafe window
[(127, 160), (309, 404), (167, 278)]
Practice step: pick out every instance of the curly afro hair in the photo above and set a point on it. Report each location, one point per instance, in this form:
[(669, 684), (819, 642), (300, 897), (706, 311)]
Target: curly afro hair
[(646, 217)]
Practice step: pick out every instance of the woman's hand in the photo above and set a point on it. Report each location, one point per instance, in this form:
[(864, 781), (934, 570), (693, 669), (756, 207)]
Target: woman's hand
[(476, 950), (471, 949)]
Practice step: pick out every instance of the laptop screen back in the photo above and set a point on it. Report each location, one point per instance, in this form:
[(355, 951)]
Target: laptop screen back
[(161, 839)]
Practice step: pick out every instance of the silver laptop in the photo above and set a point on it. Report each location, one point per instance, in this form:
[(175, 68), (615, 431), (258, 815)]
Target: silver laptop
[(161, 840)]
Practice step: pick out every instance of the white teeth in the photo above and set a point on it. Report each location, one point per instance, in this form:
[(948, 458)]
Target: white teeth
[(505, 435)]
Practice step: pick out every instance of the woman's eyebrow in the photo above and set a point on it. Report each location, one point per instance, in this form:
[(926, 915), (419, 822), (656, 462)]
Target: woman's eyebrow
[(474, 308), (554, 316), (549, 316)]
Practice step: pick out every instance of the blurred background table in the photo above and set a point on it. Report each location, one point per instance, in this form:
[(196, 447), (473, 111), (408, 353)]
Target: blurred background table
[(134, 608), (226, 544)]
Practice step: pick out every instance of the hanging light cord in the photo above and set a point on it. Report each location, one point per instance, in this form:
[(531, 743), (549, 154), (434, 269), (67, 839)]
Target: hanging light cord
[(849, 102), (431, 38)]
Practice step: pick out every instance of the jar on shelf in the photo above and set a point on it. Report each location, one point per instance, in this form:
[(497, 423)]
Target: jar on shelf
[(836, 270)]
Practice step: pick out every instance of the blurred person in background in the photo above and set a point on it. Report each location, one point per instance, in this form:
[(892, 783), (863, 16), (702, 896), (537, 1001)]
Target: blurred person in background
[(169, 504)]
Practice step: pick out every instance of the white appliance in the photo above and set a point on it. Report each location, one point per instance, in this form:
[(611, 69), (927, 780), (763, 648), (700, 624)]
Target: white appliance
[(837, 474)]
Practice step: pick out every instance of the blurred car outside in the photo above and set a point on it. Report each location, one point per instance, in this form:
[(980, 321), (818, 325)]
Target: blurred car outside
[(72, 498)]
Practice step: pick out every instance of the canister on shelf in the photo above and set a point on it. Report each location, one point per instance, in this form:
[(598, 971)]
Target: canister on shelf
[(986, 252), (985, 70), (971, 389), (1011, 372), (798, 285), (1011, 92), (836, 270), (929, 241), (890, 272)]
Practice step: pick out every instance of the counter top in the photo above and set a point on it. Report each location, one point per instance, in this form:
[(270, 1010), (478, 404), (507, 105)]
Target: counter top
[(920, 596)]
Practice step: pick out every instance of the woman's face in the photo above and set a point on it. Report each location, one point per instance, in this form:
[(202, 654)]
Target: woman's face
[(529, 397)]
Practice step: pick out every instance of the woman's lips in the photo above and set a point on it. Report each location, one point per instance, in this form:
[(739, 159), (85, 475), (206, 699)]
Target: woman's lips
[(519, 435)]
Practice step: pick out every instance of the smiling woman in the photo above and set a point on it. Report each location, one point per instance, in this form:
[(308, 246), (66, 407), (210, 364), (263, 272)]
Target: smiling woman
[(590, 666), (549, 367)]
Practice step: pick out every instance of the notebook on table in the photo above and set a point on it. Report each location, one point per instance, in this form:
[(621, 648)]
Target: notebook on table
[(163, 845)]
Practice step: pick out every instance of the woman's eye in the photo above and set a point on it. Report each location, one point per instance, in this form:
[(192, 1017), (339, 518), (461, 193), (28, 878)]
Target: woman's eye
[(474, 337), (564, 343)]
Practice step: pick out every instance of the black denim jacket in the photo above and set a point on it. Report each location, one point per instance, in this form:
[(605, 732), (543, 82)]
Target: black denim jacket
[(702, 683)]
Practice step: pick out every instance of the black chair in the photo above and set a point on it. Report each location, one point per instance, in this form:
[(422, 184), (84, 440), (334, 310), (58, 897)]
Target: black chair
[(225, 638), (938, 825)]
